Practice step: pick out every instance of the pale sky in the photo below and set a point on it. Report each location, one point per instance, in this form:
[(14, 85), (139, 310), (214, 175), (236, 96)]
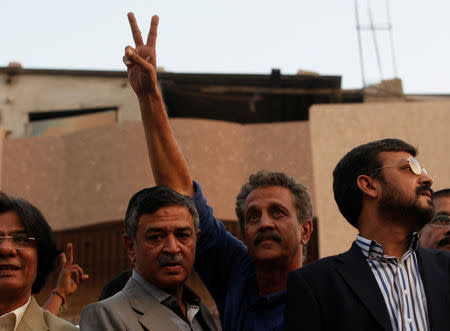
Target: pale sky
[(247, 36)]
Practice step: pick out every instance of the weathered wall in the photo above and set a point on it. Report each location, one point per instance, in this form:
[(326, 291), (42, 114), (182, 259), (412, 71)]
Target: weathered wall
[(335, 129), (30, 93), (87, 177)]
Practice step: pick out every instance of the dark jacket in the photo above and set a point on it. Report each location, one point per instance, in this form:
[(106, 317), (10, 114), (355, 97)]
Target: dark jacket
[(341, 293)]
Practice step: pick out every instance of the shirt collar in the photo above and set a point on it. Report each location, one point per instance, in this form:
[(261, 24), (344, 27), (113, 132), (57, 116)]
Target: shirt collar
[(372, 249), (189, 296), (18, 313), (254, 300)]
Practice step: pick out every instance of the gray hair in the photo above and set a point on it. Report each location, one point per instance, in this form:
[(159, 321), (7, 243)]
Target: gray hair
[(264, 178), (149, 200)]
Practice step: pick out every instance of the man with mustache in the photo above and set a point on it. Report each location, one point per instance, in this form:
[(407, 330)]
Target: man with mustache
[(247, 282), (386, 281), (436, 234), (161, 232)]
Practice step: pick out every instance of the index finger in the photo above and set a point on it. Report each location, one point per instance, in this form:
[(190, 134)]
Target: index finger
[(151, 39), (69, 254), (135, 30)]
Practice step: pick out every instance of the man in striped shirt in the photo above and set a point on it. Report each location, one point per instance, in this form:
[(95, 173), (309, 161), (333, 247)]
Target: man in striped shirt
[(386, 281)]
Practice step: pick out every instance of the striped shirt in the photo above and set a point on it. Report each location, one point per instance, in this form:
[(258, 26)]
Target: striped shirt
[(400, 283)]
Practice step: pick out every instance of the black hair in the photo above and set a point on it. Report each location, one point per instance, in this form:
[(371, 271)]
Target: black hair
[(441, 194), (37, 227), (361, 160)]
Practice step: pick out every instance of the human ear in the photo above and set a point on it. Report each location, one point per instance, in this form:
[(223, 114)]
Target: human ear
[(306, 229), (366, 185), (130, 245)]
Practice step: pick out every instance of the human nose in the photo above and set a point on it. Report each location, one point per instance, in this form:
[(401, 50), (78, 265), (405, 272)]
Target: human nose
[(425, 178), (266, 221), (7, 247), (171, 245)]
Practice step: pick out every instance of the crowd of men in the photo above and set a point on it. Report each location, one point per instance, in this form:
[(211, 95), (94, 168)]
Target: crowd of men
[(394, 277)]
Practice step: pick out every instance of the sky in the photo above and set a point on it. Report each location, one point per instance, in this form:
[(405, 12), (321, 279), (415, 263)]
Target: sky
[(247, 37)]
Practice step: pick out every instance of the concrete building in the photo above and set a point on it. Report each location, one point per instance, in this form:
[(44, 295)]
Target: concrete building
[(73, 145)]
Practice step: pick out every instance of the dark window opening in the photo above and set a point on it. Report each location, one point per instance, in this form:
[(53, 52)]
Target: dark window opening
[(38, 116)]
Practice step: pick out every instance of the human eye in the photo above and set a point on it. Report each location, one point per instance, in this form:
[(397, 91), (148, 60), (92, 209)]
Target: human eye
[(441, 220), (22, 238), (252, 218), (19, 237), (155, 237), (278, 212), (183, 236)]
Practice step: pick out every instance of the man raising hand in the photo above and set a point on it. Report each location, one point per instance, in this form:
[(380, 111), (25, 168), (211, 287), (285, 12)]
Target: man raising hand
[(247, 282)]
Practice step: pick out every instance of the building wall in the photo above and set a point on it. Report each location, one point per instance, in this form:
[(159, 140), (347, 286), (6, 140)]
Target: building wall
[(335, 129), (82, 182), (87, 177)]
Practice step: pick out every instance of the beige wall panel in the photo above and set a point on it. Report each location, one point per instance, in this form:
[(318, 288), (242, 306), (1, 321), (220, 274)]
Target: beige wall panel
[(215, 153), (104, 167), (284, 147), (222, 155), (87, 177), (34, 168), (335, 129)]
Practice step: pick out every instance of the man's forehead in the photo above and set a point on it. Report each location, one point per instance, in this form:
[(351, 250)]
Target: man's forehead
[(266, 195), (168, 216), (442, 205), (387, 158)]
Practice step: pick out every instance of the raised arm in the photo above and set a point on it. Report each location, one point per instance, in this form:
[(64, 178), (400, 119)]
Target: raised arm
[(168, 164)]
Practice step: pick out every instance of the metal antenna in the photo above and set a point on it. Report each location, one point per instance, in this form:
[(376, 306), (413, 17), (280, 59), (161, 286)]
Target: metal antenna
[(374, 36), (361, 55), (394, 65), (373, 28)]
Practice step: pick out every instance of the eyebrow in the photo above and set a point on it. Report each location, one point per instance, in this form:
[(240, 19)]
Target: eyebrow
[(278, 205), (271, 206), (14, 232), (185, 228)]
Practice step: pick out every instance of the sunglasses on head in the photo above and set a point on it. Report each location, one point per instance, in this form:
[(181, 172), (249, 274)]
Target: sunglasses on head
[(413, 164)]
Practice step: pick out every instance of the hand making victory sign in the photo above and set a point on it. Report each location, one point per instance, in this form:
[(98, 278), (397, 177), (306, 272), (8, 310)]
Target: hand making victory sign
[(141, 61), (167, 161), (69, 279)]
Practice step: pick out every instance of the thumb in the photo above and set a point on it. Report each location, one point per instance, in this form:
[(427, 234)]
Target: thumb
[(132, 55), (62, 259)]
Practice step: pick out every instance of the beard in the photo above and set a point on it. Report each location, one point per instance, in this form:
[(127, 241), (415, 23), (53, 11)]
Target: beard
[(396, 203)]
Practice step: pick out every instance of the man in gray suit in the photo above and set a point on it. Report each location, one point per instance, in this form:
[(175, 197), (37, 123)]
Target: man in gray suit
[(162, 228)]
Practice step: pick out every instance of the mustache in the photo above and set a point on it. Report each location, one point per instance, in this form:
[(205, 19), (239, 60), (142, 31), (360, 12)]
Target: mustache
[(167, 259), (444, 241), (425, 188), (266, 235)]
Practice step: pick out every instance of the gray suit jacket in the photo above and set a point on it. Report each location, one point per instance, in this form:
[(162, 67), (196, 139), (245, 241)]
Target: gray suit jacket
[(37, 319), (132, 309)]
